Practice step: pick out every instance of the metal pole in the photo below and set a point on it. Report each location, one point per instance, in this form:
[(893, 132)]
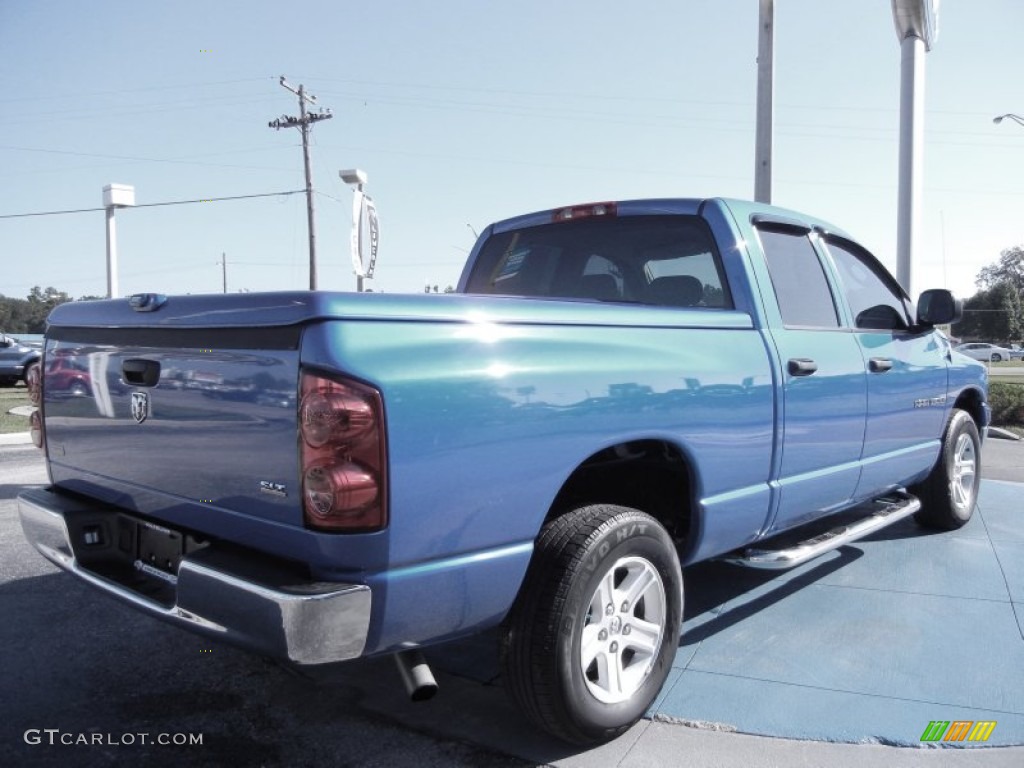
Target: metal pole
[(912, 53), (309, 188), (765, 102), (112, 287), (359, 278), (224, 270)]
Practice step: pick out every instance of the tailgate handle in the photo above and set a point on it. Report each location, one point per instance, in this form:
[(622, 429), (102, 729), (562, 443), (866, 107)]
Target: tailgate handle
[(141, 373)]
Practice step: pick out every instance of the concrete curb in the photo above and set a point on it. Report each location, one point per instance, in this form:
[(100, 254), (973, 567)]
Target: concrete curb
[(16, 438), (1002, 434)]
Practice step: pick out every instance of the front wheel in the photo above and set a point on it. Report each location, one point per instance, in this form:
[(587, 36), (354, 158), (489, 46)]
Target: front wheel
[(949, 493), (996, 357), (592, 635)]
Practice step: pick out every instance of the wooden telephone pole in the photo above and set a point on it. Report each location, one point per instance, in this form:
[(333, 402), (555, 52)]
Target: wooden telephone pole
[(304, 123)]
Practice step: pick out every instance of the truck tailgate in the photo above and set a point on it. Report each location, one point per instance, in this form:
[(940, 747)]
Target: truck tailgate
[(181, 417)]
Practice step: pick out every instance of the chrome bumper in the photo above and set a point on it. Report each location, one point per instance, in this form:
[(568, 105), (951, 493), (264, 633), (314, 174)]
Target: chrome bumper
[(219, 595)]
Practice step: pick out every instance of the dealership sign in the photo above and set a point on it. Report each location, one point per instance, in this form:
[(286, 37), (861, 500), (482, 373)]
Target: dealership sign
[(365, 234)]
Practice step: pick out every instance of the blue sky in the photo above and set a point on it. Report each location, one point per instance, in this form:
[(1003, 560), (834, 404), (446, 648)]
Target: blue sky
[(467, 112)]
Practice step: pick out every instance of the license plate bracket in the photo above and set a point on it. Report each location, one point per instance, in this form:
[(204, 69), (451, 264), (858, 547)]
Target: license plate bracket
[(159, 547)]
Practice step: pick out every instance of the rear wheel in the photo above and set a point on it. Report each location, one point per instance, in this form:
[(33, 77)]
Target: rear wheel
[(595, 628), (949, 493), (996, 357)]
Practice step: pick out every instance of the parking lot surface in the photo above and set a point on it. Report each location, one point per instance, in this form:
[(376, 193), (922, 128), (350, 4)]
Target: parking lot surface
[(844, 661)]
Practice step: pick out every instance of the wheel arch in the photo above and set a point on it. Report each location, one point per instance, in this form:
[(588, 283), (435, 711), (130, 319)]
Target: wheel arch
[(652, 475), (972, 401)]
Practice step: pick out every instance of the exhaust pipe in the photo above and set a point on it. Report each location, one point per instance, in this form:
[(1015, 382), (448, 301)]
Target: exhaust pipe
[(416, 675)]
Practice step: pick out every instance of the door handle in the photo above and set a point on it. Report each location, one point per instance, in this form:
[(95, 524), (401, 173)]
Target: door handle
[(801, 366), (879, 364)]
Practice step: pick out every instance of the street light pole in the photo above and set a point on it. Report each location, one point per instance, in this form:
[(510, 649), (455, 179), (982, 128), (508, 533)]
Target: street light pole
[(765, 103), (916, 27), (1009, 115)]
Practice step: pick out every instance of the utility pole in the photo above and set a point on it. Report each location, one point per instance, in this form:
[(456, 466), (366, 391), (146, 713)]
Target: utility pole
[(304, 123), (224, 270)]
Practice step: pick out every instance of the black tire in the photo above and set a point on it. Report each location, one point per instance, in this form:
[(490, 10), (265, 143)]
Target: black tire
[(949, 493), (580, 559), (996, 357)]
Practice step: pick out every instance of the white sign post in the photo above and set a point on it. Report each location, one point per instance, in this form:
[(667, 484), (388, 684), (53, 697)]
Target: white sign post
[(365, 228)]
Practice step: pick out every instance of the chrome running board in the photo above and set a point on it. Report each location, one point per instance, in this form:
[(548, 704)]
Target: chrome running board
[(885, 511)]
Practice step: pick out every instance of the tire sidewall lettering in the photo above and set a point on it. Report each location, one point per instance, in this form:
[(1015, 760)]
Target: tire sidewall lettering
[(631, 538)]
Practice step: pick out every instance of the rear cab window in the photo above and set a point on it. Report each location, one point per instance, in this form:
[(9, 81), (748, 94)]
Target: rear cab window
[(660, 260)]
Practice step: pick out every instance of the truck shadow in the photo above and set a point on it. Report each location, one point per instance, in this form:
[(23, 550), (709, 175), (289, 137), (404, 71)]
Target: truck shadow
[(718, 589)]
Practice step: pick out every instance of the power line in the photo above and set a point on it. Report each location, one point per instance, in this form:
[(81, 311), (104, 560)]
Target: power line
[(156, 205), (137, 158), (560, 96), (120, 91)]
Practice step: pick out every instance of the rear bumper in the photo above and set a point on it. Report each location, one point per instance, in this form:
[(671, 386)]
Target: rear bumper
[(239, 598)]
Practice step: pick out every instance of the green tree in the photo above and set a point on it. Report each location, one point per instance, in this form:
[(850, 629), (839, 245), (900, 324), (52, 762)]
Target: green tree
[(1009, 269), (996, 311), (14, 315), (40, 304), (995, 314)]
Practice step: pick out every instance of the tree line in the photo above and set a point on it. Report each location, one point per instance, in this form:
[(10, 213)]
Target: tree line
[(996, 312), (29, 315)]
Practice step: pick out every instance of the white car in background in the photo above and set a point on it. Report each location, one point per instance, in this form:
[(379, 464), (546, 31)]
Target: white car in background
[(985, 352)]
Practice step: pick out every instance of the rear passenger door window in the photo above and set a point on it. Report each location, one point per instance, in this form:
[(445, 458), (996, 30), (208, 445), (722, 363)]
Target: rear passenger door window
[(801, 288)]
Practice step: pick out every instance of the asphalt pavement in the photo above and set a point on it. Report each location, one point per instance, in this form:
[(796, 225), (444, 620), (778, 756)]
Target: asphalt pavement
[(834, 664)]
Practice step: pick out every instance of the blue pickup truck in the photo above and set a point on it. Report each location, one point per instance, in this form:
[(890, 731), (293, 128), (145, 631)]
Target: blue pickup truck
[(616, 391)]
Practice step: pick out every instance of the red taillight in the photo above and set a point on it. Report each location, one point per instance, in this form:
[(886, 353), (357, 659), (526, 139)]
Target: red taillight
[(35, 428), (344, 465), (574, 212)]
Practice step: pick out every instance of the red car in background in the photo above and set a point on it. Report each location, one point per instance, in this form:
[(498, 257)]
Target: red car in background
[(68, 375)]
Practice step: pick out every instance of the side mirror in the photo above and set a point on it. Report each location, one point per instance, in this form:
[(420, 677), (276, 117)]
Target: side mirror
[(938, 307)]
